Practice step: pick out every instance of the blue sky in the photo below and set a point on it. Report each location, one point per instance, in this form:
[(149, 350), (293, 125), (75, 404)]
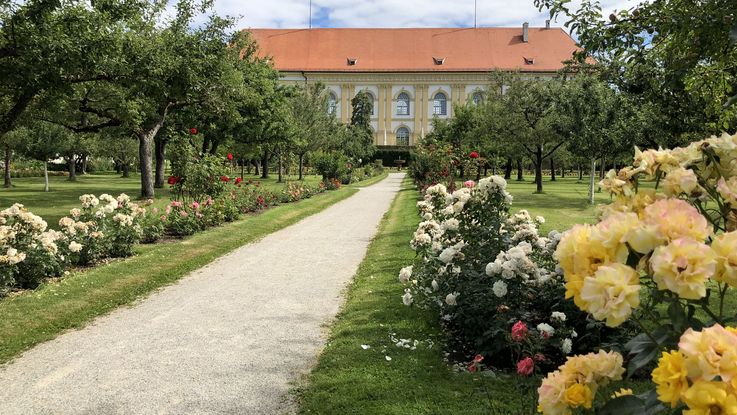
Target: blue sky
[(390, 13)]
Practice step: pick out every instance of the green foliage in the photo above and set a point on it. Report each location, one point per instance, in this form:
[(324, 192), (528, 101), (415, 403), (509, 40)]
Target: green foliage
[(330, 164), (677, 56)]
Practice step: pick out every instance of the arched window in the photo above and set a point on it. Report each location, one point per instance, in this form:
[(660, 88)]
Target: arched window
[(402, 136), (332, 103), (403, 104), (440, 104), (477, 98), (373, 102)]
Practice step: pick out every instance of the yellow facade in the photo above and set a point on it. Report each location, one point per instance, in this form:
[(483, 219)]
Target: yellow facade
[(385, 88)]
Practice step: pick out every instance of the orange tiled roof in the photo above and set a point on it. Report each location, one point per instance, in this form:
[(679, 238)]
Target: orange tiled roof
[(413, 50)]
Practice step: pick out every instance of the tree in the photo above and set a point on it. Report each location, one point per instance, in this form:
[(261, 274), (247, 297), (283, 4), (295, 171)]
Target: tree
[(314, 126), (360, 143), (41, 141), (678, 56), (528, 116)]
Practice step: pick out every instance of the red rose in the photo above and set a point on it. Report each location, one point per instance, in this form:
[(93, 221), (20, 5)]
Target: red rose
[(172, 180), (474, 155), (230, 156), (238, 180), (525, 366), (193, 131), (226, 179), (519, 331), (478, 358), (472, 367)]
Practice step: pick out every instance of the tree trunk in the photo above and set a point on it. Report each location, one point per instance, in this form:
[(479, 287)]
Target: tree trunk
[(301, 166), (46, 175), (145, 144), (243, 168), (72, 166), (8, 156), (126, 170), (265, 167), (256, 167), (160, 146), (280, 167), (591, 180), (520, 173), (563, 172), (552, 169), (508, 169), (601, 170), (580, 173), (539, 169), (117, 167), (85, 157)]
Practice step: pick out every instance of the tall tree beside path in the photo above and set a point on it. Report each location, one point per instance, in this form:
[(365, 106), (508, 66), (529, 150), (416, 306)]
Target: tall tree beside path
[(313, 122), (360, 143)]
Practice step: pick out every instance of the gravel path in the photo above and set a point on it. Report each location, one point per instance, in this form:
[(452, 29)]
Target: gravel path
[(226, 339)]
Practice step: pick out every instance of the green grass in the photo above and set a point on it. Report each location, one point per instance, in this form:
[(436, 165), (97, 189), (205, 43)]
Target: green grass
[(563, 203), (39, 315), (64, 195)]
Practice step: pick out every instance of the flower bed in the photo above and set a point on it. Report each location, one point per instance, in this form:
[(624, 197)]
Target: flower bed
[(666, 261), (493, 281)]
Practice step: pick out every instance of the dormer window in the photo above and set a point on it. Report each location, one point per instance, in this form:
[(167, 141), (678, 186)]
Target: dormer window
[(438, 61), (352, 61), (529, 61)]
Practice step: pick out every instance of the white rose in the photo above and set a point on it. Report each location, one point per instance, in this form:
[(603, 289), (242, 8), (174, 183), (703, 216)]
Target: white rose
[(557, 315), (450, 299), (500, 288), (405, 274), (434, 285), (407, 298), (546, 328), (75, 246), (566, 346)]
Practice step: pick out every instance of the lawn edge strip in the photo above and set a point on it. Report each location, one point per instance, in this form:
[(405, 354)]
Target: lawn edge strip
[(72, 302)]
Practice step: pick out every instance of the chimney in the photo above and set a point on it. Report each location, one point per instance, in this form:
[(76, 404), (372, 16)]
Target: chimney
[(525, 32), (547, 24)]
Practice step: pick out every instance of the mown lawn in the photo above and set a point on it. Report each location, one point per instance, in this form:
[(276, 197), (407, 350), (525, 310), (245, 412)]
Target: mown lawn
[(64, 195), (349, 379)]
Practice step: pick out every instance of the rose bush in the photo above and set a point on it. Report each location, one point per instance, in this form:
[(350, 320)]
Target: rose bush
[(493, 280), (664, 259)]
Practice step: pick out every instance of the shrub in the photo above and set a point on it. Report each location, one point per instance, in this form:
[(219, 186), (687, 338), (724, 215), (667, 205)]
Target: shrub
[(181, 219), (492, 279), (152, 226), (331, 165), (668, 262), (30, 251)]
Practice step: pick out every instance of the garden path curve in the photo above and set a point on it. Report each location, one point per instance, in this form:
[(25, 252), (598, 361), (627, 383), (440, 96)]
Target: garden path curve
[(227, 339)]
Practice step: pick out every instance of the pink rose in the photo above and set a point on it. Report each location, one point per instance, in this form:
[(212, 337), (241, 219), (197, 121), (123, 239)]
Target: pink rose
[(519, 331), (525, 366), (469, 183)]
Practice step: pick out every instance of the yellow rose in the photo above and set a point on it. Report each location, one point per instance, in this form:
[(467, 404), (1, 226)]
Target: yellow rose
[(709, 398), (728, 190), (550, 394), (675, 218), (671, 377), (683, 267), (725, 247), (681, 181), (612, 293), (578, 395), (618, 183), (584, 248), (710, 353)]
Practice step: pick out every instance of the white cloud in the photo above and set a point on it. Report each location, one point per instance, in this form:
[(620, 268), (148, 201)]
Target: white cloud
[(392, 13)]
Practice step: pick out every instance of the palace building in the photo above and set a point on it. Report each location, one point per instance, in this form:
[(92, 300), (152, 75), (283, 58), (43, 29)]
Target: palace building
[(412, 75)]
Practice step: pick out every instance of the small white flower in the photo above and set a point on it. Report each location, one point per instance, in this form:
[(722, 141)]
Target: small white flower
[(558, 316), (546, 328), (539, 219), (574, 334), (434, 285), (566, 346), (493, 268), (407, 298), (405, 274), (450, 299), (365, 346), (75, 246), (388, 359), (500, 288), (427, 216)]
